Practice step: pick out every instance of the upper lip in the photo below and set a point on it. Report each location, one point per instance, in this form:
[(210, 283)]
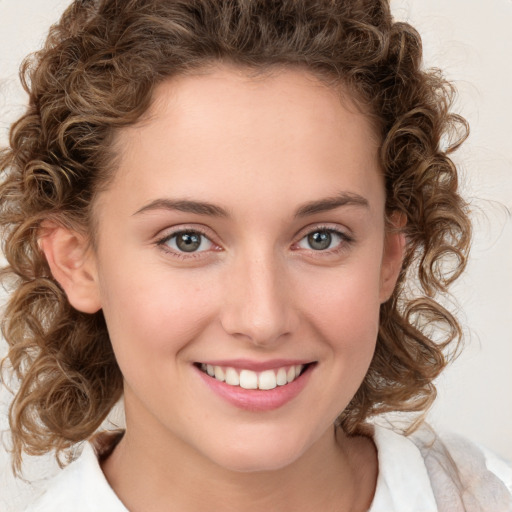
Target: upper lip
[(256, 366)]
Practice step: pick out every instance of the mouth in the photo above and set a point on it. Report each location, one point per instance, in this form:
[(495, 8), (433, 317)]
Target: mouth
[(253, 380)]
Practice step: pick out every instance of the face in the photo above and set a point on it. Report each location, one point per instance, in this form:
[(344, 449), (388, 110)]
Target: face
[(242, 245)]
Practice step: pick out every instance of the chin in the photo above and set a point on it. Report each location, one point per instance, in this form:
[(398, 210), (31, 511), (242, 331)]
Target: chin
[(268, 454)]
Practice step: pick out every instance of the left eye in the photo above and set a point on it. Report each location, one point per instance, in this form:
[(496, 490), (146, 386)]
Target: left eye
[(188, 241), (321, 240)]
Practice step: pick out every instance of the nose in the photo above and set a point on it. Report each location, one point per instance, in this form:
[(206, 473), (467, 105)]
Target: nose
[(258, 305)]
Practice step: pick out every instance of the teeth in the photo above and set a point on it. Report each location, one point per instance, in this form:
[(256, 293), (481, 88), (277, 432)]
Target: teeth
[(249, 379), (232, 377), (281, 377), (219, 373), (267, 380)]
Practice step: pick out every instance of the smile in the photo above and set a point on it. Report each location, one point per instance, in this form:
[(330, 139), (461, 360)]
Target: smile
[(256, 386), (249, 379)]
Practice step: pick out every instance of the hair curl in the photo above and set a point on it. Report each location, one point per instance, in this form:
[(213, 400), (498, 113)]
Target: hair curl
[(97, 72)]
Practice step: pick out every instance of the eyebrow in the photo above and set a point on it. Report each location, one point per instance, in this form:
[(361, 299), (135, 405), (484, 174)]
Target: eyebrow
[(212, 210), (331, 203), (184, 205)]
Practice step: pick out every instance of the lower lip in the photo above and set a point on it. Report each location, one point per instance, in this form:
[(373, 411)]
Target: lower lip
[(257, 399)]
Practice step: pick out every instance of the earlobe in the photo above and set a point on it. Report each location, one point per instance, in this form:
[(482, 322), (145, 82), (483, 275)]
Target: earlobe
[(393, 257), (72, 264)]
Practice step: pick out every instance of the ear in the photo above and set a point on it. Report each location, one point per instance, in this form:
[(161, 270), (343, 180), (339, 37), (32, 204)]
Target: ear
[(73, 264), (393, 255)]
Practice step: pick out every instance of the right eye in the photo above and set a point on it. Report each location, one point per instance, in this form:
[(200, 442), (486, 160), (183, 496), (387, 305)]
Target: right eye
[(187, 242)]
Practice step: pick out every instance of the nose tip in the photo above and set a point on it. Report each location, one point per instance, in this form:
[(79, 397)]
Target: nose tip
[(260, 329), (259, 307)]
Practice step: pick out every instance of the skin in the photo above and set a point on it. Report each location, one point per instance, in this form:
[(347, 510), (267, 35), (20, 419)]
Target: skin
[(259, 149)]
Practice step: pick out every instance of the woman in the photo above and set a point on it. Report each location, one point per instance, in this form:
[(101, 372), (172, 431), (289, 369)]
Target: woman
[(214, 211)]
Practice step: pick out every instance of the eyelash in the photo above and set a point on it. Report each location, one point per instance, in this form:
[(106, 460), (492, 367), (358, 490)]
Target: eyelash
[(162, 243), (345, 240)]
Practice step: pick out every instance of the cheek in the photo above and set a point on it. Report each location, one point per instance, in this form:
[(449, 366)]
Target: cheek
[(152, 316), (346, 301), (343, 309)]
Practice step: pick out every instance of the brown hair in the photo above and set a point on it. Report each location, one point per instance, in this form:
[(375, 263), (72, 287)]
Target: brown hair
[(97, 72)]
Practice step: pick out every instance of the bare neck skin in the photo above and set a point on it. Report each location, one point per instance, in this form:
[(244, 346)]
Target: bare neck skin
[(337, 473)]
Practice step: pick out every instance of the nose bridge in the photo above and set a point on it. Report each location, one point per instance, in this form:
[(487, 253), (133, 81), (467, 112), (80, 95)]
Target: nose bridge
[(258, 305)]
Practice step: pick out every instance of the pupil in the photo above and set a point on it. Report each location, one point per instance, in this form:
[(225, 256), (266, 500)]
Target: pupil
[(320, 240), (188, 242)]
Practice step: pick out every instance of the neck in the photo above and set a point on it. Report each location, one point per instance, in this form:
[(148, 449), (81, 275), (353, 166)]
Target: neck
[(336, 473)]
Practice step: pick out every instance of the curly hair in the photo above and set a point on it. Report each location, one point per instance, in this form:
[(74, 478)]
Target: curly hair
[(97, 72)]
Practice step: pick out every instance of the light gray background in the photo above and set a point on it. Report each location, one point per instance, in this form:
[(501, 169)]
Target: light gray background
[(471, 40)]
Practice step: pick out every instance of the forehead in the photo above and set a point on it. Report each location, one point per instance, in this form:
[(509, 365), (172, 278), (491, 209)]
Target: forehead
[(280, 133), (250, 99)]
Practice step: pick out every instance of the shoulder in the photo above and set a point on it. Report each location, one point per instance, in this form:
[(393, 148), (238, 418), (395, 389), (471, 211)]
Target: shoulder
[(80, 487), (403, 482), (439, 473), (464, 475)]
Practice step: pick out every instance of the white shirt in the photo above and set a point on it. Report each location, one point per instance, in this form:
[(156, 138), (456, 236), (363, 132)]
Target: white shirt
[(412, 478)]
